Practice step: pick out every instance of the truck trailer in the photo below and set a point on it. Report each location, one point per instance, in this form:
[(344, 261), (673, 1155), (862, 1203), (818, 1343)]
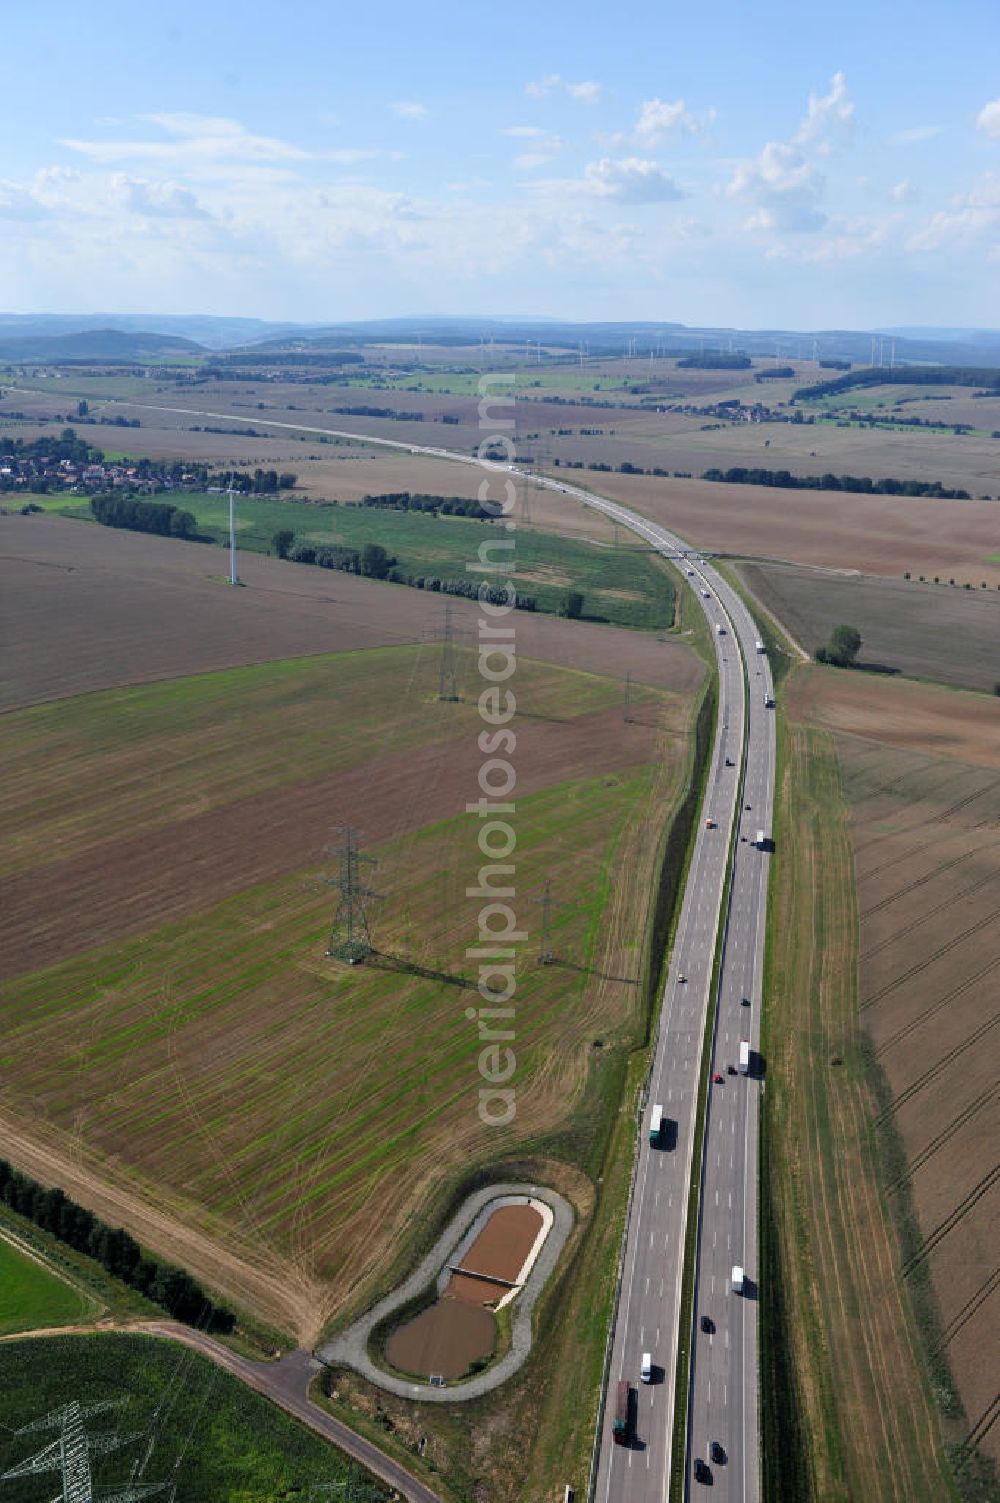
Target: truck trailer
[(744, 1057), (656, 1126), (622, 1425)]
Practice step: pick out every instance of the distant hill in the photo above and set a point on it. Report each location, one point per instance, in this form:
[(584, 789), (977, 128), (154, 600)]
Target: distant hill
[(96, 344), (947, 346), (155, 334), (204, 328)]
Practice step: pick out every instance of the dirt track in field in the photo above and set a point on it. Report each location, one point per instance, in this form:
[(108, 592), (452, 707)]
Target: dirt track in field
[(122, 886), (87, 607)]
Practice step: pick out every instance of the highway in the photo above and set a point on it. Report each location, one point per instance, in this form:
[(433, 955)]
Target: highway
[(723, 1395)]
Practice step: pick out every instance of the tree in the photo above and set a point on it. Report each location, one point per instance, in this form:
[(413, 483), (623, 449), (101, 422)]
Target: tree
[(282, 541), (572, 606), (182, 524), (843, 647), (82, 408), (286, 481), (375, 561)]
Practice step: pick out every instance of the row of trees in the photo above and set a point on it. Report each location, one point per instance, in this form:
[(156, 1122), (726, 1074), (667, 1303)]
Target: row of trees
[(375, 562), (785, 480), (115, 1250), (451, 506), (262, 482), (114, 510), (907, 375)]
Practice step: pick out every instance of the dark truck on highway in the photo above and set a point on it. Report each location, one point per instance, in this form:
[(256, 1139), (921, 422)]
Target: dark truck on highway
[(622, 1427)]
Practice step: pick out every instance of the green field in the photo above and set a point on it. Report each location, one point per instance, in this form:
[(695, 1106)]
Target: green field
[(623, 587), (193, 1423), (31, 1297)]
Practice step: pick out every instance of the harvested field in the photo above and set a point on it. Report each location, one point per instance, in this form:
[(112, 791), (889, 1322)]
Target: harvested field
[(922, 717), (215, 1091), (922, 630), (881, 535), (87, 607), (839, 1347), (925, 832), (117, 884)]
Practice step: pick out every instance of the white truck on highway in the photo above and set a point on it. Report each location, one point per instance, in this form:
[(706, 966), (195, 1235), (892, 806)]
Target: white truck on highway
[(761, 841), (738, 1279), (744, 1057), (759, 646)]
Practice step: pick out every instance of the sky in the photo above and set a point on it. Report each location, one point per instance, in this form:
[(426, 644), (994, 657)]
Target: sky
[(768, 164)]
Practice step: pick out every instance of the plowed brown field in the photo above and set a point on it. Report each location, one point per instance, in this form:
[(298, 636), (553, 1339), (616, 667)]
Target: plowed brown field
[(837, 529)]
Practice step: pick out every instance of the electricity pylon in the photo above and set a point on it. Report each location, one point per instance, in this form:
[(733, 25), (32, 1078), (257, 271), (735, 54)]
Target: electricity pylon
[(350, 937), (447, 681), (352, 1488), (546, 954), (70, 1455)]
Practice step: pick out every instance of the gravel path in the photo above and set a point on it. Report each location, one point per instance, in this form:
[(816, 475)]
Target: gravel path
[(350, 1348)]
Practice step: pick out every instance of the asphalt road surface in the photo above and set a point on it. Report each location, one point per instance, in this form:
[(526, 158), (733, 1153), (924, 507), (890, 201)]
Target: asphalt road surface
[(723, 1397)]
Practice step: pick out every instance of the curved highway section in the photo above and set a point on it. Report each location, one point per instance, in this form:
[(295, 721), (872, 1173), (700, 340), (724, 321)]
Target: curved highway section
[(722, 1428)]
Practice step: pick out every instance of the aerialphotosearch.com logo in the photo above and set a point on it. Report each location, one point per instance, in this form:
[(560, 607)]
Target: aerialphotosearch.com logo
[(498, 934)]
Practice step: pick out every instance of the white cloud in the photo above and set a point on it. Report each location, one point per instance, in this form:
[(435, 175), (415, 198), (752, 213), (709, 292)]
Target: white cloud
[(988, 119), (163, 200), (202, 141), (540, 88), (587, 92), (783, 187), (903, 191), (409, 109), (542, 151), (631, 180), (914, 134), (659, 119), (971, 221), (827, 114), (20, 203)]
